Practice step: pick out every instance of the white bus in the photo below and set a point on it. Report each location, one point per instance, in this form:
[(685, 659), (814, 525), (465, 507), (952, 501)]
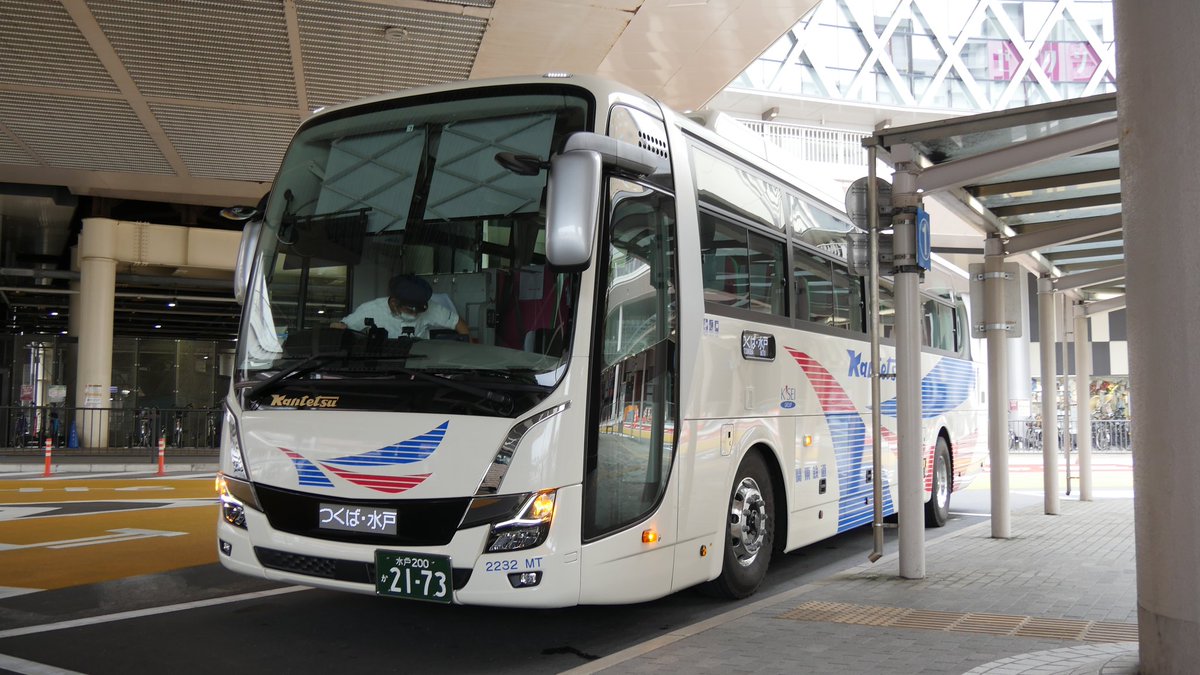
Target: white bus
[(660, 378)]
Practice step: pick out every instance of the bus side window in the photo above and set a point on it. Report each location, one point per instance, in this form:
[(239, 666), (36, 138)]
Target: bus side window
[(768, 286), (887, 310), (814, 275)]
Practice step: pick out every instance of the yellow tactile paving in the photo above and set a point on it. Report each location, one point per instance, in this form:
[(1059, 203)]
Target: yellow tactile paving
[(122, 544), (101, 489)]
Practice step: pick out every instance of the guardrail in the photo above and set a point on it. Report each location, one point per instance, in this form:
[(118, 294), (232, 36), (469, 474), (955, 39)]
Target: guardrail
[(1108, 435), (32, 426)]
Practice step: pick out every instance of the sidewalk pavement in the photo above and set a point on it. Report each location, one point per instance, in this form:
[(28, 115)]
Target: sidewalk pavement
[(1059, 596)]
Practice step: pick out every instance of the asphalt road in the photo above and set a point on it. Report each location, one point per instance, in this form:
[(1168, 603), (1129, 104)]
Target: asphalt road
[(196, 617)]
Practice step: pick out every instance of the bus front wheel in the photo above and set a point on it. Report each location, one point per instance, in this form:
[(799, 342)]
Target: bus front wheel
[(749, 530), (937, 509)]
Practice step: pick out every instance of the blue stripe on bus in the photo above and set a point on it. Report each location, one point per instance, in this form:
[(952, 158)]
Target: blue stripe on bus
[(948, 385), (849, 436), (407, 451)]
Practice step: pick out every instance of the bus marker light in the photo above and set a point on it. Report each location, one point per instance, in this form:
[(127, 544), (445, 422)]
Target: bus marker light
[(649, 536), (543, 506), (703, 550), (808, 441)]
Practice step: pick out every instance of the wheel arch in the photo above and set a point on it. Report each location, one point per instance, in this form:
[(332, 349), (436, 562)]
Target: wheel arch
[(774, 465)]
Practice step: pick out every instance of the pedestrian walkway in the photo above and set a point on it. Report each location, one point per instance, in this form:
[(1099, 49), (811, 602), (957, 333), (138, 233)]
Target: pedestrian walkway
[(1058, 597)]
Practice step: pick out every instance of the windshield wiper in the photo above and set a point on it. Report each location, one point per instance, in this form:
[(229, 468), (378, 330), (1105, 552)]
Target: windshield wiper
[(485, 394), (303, 367)]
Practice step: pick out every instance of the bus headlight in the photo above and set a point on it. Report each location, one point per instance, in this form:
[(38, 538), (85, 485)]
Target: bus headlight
[(232, 510), (528, 529), (233, 464)]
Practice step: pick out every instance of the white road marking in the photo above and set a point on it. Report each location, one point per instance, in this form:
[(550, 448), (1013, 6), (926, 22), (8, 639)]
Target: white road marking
[(118, 535), (150, 611), (16, 665), (16, 512)]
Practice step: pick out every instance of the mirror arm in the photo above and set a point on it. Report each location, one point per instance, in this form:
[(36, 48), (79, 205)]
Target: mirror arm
[(617, 153)]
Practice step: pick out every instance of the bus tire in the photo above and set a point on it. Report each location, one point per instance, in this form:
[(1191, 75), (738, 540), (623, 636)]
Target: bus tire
[(937, 509), (749, 530)]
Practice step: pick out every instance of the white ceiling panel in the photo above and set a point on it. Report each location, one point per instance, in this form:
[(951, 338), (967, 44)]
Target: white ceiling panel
[(348, 53), (211, 50), (79, 133), (215, 143), (41, 46), (200, 96)]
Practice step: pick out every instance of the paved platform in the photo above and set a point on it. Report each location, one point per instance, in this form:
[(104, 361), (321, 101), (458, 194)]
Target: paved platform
[(1057, 597)]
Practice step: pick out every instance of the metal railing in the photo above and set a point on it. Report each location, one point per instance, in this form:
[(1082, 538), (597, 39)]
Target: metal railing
[(814, 144), (1108, 435), (32, 426)]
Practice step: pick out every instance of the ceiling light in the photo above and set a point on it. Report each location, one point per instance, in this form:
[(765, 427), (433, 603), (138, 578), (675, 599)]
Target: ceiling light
[(171, 303), (53, 313), (770, 113), (395, 34), (158, 325)]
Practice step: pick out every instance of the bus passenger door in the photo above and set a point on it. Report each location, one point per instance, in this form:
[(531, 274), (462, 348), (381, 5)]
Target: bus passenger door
[(630, 516)]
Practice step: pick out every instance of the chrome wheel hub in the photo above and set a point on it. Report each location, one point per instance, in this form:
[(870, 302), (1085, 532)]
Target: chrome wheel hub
[(747, 521)]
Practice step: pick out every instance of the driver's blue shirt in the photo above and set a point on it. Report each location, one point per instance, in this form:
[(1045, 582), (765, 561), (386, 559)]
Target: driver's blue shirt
[(436, 316)]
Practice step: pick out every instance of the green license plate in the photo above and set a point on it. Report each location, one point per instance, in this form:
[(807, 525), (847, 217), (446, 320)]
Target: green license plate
[(416, 576)]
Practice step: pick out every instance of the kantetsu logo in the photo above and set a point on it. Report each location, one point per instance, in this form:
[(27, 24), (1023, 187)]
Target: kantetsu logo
[(860, 367), (281, 400)]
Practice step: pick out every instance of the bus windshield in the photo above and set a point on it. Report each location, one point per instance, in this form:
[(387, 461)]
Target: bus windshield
[(402, 263)]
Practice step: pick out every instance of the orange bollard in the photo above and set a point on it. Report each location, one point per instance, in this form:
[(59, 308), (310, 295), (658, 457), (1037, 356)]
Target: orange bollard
[(49, 445), (162, 451)]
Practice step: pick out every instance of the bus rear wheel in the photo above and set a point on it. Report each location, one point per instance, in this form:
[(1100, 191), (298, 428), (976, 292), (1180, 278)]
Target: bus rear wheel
[(937, 509), (749, 532)]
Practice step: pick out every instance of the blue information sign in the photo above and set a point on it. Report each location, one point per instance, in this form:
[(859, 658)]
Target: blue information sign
[(923, 244)]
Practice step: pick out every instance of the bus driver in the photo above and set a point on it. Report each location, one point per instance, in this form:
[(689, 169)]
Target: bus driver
[(405, 311)]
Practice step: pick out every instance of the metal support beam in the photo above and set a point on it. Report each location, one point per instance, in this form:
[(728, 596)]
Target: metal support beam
[(1046, 206), (959, 172), (1085, 279), (1046, 183), (1047, 340), (1105, 306), (1069, 231)]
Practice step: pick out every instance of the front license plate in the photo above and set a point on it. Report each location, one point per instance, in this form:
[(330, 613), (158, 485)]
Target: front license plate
[(416, 576)]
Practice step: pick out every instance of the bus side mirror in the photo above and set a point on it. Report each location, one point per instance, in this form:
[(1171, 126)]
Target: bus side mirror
[(572, 208), (245, 257)]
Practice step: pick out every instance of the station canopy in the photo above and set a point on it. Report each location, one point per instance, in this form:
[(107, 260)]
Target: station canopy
[(1044, 178)]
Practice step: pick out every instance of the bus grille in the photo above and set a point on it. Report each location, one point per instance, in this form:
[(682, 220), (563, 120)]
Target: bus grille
[(420, 522), (331, 568)]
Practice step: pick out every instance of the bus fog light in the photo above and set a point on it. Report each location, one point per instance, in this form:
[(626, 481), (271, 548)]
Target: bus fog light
[(524, 579), (226, 547), (528, 529)]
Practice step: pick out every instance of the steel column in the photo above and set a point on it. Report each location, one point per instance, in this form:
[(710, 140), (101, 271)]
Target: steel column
[(1048, 339), (997, 348), (1083, 421), (910, 452)]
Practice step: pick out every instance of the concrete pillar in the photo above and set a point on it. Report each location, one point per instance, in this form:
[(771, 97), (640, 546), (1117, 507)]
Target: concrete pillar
[(1047, 340), (97, 289), (997, 361), (1160, 94), (1083, 421)]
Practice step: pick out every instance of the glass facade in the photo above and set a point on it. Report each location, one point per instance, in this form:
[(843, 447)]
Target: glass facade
[(943, 54)]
